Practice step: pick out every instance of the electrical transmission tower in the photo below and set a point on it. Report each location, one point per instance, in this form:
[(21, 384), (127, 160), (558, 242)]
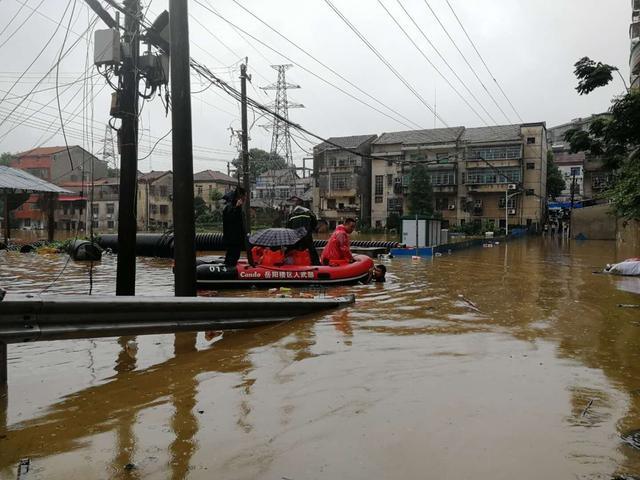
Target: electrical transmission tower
[(108, 151), (281, 138)]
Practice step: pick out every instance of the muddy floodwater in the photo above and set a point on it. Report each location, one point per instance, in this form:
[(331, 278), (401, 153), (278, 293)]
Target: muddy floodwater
[(491, 363)]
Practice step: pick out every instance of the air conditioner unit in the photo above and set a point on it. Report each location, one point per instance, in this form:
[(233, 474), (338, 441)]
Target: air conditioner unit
[(512, 211), (452, 207), (512, 186), (109, 216), (95, 215)]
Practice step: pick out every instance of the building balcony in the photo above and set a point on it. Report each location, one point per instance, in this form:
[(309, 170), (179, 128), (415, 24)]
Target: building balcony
[(473, 163), (634, 31), (444, 188), (634, 59), (487, 188)]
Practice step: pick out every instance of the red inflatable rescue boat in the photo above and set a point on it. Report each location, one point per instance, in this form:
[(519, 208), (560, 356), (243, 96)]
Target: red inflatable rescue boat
[(213, 273)]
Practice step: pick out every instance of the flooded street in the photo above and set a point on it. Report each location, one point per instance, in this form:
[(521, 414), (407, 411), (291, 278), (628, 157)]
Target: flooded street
[(490, 363)]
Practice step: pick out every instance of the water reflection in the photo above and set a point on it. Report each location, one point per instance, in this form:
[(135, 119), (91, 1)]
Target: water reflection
[(519, 352)]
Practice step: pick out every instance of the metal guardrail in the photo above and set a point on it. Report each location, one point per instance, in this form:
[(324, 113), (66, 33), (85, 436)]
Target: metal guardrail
[(32, 318)]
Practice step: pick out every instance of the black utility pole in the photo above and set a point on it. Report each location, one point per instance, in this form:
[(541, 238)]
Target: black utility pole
[(246, 179), (183, 221), (573, 188), (128, 136)]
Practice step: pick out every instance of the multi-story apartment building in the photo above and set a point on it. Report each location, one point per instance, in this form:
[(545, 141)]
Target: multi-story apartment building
[(207, 182), (504, 176), (634, 36), (155, 200), (274, 188), (53, 165), (343, 179), (591, 177), (477, 174), (437, 148), (91, 205)]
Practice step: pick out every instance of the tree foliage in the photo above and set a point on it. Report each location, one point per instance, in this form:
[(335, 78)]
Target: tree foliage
[(420, 193), (259, 162), (555, 180), (615, 138), (592, 75), (5, 158)]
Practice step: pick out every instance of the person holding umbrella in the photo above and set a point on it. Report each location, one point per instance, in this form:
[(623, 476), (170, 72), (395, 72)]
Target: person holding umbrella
[(302, 217)]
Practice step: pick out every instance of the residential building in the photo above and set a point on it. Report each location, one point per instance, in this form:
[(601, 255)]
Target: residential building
[(343, 179), (471, 171), (56, 165), (210, 183), (155, 200), (634, 37), (591, 177), (274, 188), (437, 148), (504, 176)]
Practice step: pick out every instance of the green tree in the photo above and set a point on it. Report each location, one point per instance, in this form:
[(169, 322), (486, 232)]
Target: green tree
[(555, 180), (5, 158), (615, 138), (420, 193), (200, 207), (259, 162)]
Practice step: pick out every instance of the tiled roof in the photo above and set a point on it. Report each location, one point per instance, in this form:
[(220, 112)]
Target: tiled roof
[(15, 179), (413, 137), (499, 133), (213, 176), (353, 141), (153, 175), (42, 151)]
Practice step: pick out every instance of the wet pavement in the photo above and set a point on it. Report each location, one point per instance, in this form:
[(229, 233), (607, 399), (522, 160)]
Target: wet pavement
[(490, 363)]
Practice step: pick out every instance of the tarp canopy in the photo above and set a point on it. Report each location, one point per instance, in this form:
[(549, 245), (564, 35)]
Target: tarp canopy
[(17, 180)]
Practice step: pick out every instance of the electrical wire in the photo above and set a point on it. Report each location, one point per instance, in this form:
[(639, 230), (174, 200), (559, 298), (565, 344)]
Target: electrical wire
[(437, 69), (20, 26), (467, 62), (385, 61), (64, 41), (483, 62), (324, 80), (306, 52)]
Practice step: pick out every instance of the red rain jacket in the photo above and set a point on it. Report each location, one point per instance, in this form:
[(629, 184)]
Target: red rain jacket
[(337, 247)]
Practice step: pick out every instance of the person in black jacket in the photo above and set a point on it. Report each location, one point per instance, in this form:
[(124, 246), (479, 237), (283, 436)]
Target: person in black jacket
[(234, 235), (303, 217)]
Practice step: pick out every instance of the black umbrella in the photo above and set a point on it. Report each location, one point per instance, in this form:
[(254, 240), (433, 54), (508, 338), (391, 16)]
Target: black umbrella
[(277, 237)]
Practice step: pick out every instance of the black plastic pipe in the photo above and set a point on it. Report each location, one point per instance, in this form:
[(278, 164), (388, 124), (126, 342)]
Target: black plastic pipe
[(161, 245)]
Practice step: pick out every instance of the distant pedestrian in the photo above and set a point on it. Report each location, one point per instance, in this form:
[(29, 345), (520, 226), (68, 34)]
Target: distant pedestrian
[(337, 249), (302, 217), (234, 235)]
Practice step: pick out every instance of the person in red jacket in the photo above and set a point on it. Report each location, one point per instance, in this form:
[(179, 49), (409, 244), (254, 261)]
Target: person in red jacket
[(337, 249)]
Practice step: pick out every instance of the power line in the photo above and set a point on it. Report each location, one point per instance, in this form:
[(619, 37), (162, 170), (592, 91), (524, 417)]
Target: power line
[(385, 62), (421, 30), (483, 62), (303, 67), (12, 19), (436, 68), (466, 61), (324, 64), (20, 26)]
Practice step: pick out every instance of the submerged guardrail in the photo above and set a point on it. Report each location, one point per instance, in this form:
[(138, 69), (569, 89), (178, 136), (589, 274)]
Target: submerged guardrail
[(32, 318)]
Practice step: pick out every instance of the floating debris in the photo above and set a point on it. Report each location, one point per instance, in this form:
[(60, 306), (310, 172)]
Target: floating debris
[(632, 439)]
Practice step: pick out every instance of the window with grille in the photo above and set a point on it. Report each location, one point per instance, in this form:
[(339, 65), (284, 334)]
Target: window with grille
[(341, 182), (379, 186), (497, 153), (486, 176)]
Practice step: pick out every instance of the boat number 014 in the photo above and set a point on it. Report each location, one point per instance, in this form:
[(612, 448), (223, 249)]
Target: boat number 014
[(217, 268)]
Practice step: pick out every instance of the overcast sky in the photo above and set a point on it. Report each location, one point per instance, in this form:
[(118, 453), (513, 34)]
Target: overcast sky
[(529, 45)]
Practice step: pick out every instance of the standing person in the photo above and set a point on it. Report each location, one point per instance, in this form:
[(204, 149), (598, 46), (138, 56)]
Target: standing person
[(234, 236), (337, 248), (301, 217)]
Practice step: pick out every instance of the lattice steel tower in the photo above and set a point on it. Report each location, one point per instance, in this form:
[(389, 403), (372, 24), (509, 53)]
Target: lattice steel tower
[(281, 138), (108, 150)]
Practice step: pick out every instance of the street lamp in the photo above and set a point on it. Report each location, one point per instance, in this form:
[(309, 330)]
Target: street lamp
[(506, 207)]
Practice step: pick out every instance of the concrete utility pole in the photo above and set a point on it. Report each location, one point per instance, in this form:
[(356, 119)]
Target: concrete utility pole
[(183, 215), (246, 177), (126, 272), (7, 226)]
